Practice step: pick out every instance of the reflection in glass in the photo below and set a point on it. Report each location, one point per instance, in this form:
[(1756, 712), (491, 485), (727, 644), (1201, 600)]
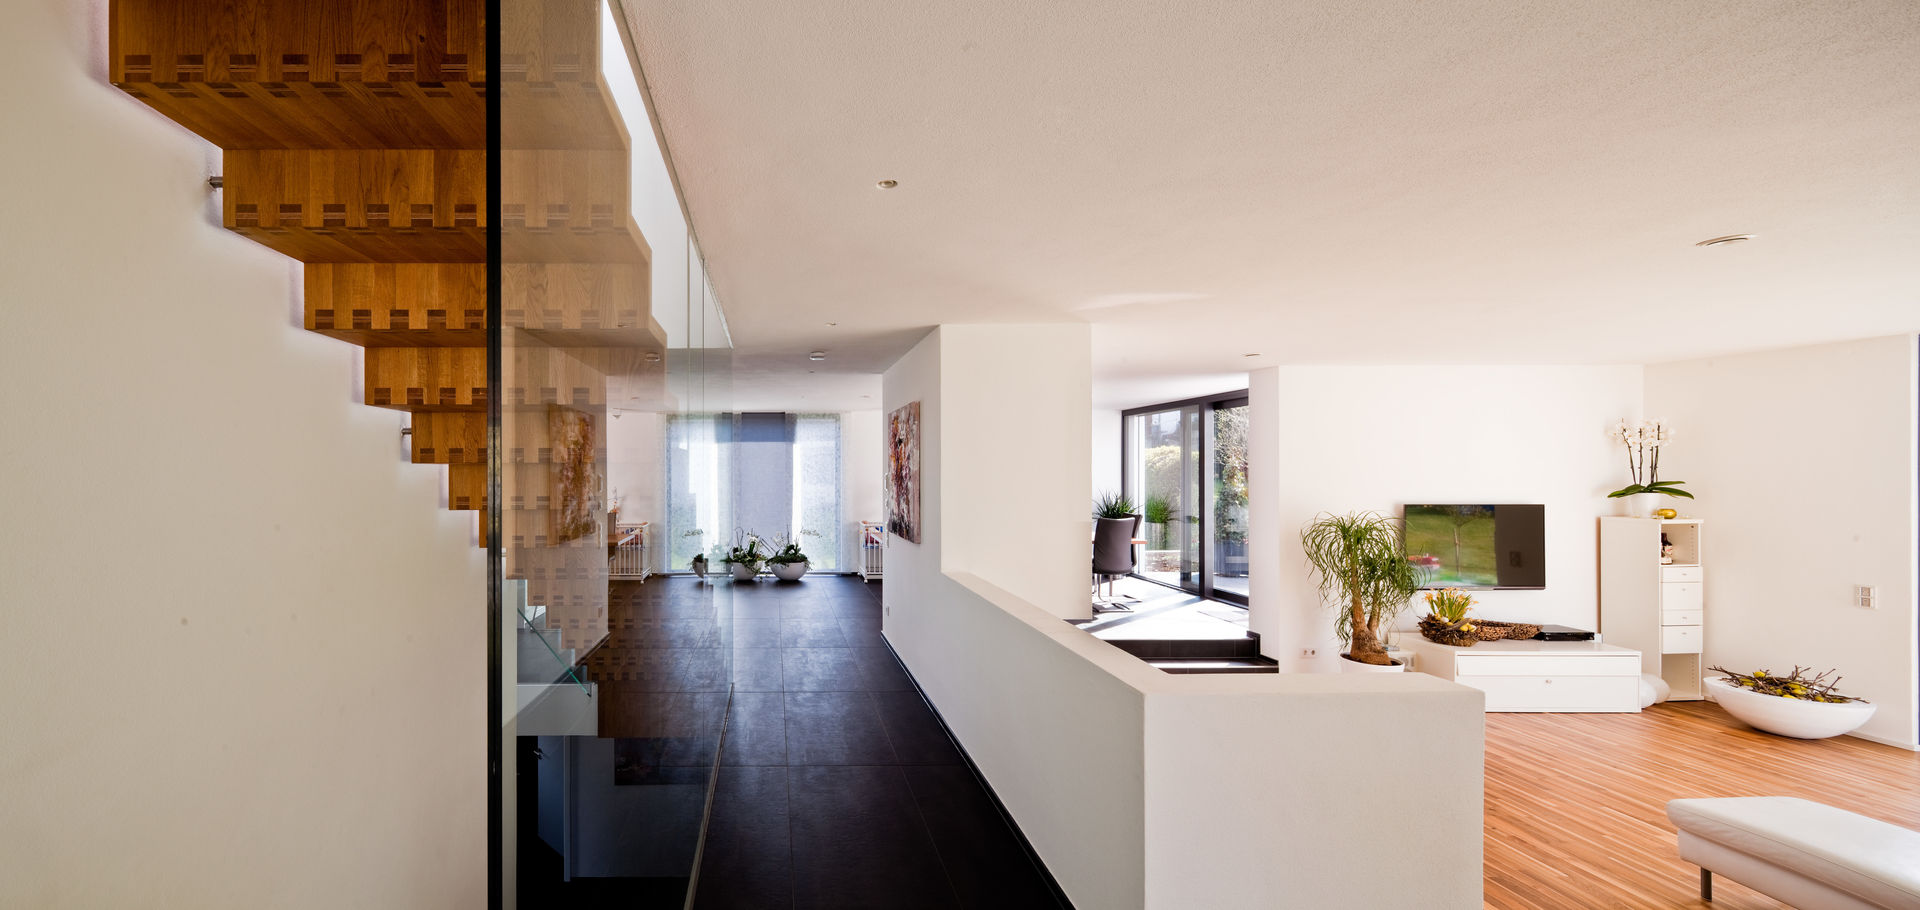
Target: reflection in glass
[(616, 689)]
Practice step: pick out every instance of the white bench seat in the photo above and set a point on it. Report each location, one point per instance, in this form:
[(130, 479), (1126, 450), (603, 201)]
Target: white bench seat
[(1807, 854)]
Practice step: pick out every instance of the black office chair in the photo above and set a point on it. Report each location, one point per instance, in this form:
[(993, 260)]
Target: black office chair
[(1112, 557)]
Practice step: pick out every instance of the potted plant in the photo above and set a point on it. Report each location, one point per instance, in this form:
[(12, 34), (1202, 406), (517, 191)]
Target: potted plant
[(1794, 705), (1365, 576), (787, 562), (744, 558), (1446, 621), (1113, 505), (1643, 444)]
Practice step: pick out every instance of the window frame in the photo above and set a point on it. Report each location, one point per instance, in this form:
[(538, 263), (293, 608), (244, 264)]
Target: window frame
[(1205, 406)]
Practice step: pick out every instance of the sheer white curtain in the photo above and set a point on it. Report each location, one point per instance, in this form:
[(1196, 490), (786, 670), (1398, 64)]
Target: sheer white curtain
[(816, 488), (785, 480)]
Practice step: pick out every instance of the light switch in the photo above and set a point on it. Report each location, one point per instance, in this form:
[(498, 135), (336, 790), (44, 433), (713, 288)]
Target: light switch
[(1864, 596)]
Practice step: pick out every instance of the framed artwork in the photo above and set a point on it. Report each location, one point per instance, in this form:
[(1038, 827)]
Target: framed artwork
[(903, 472), (576, 479)]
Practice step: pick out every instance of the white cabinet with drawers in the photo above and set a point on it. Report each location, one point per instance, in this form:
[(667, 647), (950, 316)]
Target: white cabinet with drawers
[(1572, 676), (1657, 609)]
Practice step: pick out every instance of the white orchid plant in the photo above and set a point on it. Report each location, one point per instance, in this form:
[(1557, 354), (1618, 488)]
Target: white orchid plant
[(1643, 441)]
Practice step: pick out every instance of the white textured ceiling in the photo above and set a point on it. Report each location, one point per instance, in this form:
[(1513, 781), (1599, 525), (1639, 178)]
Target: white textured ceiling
[(1369, 181)]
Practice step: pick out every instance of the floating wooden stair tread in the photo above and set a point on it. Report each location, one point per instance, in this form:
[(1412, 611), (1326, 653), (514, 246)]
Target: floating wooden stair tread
[(448, 437), (336, 74), (355, 138)]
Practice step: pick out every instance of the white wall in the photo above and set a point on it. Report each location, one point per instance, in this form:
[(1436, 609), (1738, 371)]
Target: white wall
[(636, 470), (1298, 791), (1118, 773), (1804, 465), (861, 463), (1106, 451), (245, 639), (1016, 401), (656, 206), (1341, 439)]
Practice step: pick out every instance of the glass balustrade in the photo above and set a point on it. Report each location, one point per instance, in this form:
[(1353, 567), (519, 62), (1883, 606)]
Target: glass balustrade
[(616, 666)]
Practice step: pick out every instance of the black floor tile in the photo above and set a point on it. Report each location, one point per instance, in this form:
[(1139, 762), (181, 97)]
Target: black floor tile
[(665, 669), (821, 632), (880, 672), (915, 734), (755, 609), (756, 730), (859, 842), (756, 633), (835, 728), (748, 859), (861, 636), (984, 862), (822, 670), (677, 729), (758, 670)]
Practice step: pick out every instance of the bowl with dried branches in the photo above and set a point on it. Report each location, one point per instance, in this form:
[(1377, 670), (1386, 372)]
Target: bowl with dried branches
[(1794, 704)]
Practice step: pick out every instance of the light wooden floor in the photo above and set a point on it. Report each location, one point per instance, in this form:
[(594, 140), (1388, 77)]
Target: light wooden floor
[(1576, 803)]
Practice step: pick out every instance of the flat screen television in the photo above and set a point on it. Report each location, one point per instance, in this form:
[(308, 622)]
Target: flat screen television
[(1478, 546)]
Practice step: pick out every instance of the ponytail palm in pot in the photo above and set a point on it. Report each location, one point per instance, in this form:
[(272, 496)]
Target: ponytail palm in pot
[(1364, 575)]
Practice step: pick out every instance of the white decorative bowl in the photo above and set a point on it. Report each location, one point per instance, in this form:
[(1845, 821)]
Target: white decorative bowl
[(1789, 716), (789, 571)]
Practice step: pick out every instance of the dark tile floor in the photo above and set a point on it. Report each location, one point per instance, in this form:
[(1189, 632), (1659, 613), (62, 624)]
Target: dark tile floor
[(838, 786)]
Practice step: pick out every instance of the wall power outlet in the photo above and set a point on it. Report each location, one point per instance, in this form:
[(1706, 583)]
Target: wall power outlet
[(1309, 652)]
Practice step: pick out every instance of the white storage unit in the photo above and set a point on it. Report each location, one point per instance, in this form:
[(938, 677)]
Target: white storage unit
[(873, 549), (627, 558), (1569, 676), (1658, 609)]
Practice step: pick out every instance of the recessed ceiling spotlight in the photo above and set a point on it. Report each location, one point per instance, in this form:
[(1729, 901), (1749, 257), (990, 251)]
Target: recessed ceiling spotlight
[(1730, 238), (833, 323), (817, 355), (1255, 354), (887, 184)]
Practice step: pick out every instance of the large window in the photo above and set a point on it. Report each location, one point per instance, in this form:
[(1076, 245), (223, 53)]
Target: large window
[(783, 471), (1185, 466)]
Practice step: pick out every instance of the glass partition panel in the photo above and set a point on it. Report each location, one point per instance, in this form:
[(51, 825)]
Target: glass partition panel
[(617, 661)]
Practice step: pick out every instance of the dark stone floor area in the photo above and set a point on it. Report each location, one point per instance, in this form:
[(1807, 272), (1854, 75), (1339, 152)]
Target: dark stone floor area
[(838, 786)]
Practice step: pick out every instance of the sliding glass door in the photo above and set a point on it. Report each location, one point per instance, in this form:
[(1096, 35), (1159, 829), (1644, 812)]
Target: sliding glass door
[(1184, 464), (1227, 487), (1163, 479)]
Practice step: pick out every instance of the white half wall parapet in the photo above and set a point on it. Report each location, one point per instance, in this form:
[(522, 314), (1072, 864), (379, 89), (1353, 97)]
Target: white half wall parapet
[(1143, 789)]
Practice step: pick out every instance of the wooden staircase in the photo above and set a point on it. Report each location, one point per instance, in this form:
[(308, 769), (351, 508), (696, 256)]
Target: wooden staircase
[(354, 138)]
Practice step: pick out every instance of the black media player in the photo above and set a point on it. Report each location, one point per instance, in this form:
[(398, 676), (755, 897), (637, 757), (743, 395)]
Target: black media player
[(1563, 633)]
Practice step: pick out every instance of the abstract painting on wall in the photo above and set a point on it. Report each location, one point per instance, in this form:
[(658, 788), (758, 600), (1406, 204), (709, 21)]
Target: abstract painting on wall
[(903, 472), (576, 479)]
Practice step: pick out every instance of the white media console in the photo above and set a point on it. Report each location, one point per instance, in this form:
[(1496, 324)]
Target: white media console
[(1572, 676)]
